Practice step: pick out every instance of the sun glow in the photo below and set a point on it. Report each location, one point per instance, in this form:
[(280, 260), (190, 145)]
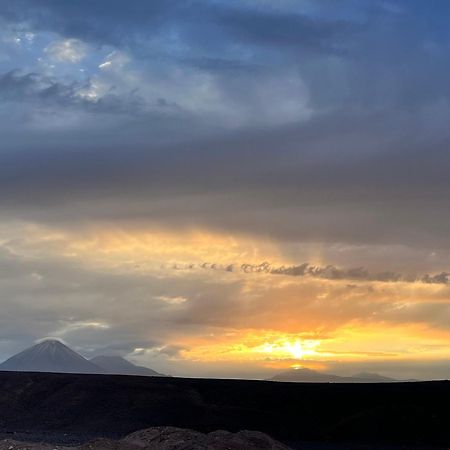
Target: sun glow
[(297, 349), (251, 347)]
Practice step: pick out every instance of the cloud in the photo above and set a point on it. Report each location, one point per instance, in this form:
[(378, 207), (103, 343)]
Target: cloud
[(81, 20), (46, 91), (84, 19), (172, 300), (68, 50), (329, 272)]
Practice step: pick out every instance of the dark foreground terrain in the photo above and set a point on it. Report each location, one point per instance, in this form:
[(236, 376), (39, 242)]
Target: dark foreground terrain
[(164, 438), (71, 409)]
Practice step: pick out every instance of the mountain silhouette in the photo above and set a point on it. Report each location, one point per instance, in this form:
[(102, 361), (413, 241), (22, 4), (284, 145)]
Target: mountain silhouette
[(116, 365), (50, 356), (373, 377), (312, 376)]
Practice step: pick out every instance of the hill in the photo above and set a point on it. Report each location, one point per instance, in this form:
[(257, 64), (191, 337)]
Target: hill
[(120, 366)]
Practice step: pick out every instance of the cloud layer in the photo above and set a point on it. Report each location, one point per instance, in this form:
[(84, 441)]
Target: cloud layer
[(291, 120)]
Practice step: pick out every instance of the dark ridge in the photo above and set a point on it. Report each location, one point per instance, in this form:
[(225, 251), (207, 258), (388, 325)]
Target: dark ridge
[(113, 405), (313, 376)]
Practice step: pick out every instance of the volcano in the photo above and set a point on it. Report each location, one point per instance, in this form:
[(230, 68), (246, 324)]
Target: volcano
[(50, 356)]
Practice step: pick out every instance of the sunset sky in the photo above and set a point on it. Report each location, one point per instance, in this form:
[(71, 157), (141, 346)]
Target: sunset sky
[(228, 188)]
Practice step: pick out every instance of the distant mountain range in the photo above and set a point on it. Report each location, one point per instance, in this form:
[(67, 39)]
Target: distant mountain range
[(312, 376), (53, 356)]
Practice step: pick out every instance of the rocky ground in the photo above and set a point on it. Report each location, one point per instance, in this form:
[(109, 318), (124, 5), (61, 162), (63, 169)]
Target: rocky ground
[(166, 438)]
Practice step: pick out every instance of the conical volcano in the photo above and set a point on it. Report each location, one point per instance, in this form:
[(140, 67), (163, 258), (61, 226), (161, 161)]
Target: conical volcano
[(50, 356)]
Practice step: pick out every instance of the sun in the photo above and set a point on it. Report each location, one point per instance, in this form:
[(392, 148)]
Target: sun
[(290, 349), (299, 349), (295, 349)]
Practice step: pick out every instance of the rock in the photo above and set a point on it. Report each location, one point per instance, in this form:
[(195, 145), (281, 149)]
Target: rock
[(171, 438)]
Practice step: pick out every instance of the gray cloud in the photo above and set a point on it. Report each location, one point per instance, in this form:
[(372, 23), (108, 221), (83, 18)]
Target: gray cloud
[(104, 20), (201, 22), (329, 272), (307, 192), (45, 91)]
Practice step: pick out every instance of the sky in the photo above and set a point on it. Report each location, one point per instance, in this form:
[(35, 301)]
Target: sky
[(228, 188)]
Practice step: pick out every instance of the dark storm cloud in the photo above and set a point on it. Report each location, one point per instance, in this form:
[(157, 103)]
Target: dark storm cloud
[(286, 30), (202, 22), (367, 163), (102, 21), (391, 192)]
